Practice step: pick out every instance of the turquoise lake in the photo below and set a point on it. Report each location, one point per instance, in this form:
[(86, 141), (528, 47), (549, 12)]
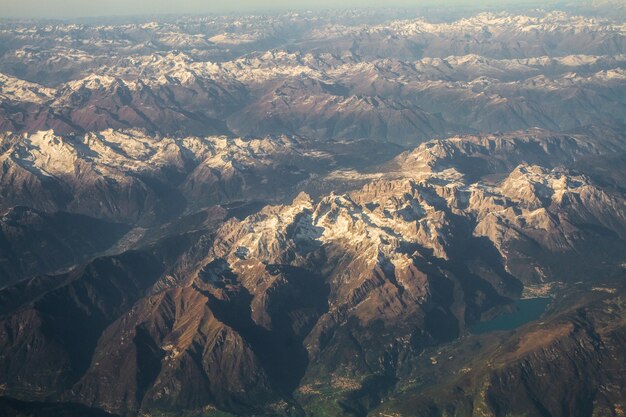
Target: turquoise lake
[(528, 310)]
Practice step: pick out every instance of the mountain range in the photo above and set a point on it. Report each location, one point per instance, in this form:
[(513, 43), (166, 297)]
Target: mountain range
[(313, 214)]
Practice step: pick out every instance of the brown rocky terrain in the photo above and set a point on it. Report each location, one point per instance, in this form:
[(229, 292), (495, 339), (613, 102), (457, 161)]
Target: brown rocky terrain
[(334, 213), (349, 289)]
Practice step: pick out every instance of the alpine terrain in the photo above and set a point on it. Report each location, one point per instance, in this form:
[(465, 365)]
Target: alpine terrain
[(333, 213)]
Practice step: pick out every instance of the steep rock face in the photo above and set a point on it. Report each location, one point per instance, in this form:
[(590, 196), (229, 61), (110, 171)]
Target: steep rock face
[(424, 250), (348, 289), (52, 323), (581, 344), (111, 175), (409, 262), (478, 156), (554, 216), (172, 353), (131, 177), (249, 169), (383, 266)]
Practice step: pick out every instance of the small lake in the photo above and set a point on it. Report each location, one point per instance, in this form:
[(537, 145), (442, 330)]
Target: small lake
[(528, 309)]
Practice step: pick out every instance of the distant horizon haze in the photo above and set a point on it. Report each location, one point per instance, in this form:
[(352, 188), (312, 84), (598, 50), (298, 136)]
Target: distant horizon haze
[(60, 9)]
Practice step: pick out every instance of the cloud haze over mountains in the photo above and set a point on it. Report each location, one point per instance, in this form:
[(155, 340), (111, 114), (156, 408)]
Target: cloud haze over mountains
[(80, 8)]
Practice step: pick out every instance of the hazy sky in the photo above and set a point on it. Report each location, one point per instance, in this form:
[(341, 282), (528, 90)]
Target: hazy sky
[(82, 8)]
